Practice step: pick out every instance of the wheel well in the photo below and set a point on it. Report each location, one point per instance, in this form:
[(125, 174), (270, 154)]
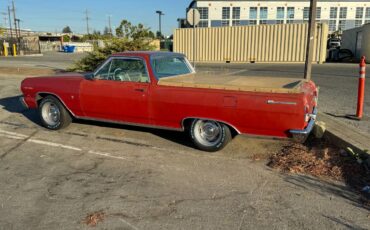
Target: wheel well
[(188, 121), (41, 96)]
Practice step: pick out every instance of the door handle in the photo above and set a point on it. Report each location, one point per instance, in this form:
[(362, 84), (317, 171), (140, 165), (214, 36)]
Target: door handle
[(140, 90)]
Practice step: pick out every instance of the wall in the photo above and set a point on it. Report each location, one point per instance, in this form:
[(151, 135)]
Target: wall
[(262, 43), (349, 41)]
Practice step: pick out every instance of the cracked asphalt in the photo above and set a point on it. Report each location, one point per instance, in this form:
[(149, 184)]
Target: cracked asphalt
[(149, 179)]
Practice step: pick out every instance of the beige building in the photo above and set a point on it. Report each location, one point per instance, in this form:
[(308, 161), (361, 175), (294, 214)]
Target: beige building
[(356, 40), (259, 43)]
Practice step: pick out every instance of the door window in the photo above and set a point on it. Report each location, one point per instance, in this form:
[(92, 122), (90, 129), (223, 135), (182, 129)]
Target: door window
[(124, 69)]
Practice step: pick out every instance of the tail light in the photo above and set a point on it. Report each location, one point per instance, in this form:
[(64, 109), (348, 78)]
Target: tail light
[(307, 115)]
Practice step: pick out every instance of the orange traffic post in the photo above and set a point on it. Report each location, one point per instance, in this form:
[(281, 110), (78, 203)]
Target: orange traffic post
[(361, 89)]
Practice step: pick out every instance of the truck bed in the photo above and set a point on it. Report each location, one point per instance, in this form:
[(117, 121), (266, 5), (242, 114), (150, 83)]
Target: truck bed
[(232, 82)]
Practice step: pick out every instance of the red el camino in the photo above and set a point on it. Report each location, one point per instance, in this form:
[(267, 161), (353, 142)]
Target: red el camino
[(162, 90)]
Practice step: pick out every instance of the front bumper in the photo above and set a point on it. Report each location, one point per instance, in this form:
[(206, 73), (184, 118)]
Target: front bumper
[(23, 103), (301, 135)]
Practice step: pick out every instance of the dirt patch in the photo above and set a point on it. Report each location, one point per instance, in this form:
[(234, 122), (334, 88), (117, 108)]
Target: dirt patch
[(321, 159), (28, 71)]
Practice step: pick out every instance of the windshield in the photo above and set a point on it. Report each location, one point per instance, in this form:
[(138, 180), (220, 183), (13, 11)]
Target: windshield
[(168, 66)]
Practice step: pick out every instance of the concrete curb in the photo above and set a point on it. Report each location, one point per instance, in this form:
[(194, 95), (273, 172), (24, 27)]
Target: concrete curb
[(343, 136)]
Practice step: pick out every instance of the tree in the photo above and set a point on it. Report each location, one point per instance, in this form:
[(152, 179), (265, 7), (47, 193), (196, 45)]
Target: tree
[(129, 31), (131, 38), (67, 30), (66, 38)]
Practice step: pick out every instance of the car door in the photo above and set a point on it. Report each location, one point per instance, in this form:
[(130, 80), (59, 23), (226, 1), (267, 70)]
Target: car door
[(118, 92)]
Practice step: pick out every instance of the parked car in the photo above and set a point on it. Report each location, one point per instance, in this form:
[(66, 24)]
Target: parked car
[(334, 43), (162, 90)]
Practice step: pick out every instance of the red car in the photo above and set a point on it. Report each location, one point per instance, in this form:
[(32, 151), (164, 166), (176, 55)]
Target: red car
[(162, 90)]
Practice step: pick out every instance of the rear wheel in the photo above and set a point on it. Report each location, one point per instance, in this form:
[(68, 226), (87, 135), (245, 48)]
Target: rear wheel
[(53, 114), (210, 136)]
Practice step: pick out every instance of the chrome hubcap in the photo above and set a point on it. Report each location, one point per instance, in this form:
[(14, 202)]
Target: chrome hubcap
[(208, 133), (50, 113)]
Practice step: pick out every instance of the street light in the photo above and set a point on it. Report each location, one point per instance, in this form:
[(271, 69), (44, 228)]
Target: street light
[(160, 14)]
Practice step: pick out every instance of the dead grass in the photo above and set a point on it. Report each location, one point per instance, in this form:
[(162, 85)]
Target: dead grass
[(320, 159), (93, 219)]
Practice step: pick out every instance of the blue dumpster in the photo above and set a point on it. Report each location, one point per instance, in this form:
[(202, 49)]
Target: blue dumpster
[(69, 49)]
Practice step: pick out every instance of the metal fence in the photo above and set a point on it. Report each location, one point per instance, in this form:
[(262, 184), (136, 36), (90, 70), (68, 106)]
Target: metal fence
[(262, 43)]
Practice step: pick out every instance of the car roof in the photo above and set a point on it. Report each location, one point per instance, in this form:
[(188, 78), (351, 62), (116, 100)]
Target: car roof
[(146, 54)]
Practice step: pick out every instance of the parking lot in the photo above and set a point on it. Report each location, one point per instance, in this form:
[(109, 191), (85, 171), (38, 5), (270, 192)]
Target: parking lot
[(149, 179)]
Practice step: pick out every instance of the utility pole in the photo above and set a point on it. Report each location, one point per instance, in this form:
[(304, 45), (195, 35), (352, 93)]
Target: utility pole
[(87, 21), (19, 27), (10, 23), (15, 19), (160, 14), (310, 40), (110, 25)]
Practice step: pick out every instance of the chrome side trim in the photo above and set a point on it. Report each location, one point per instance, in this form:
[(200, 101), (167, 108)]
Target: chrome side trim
[(310, 126), (23, 102), (272, 102), (129, 123), (204, 118), (52, 94)]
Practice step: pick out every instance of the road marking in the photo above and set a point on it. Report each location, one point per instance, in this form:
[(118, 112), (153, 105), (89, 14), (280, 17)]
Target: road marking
[(106, 155), (54, 144), (13, 134), (18, 136), (11, 137)]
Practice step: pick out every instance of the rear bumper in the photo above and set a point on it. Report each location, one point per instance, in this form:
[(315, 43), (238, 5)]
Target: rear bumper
[(23, 102), (301, 135)]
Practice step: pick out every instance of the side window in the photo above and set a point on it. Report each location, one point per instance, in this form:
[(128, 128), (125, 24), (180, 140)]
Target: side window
[(103, 73), (121, 69)]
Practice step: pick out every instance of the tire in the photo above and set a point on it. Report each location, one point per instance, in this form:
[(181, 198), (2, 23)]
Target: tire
[(209, 136), (53, 114)]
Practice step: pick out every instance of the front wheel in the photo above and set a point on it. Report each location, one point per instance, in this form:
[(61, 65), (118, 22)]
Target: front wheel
[(53, 114), (210, 136)]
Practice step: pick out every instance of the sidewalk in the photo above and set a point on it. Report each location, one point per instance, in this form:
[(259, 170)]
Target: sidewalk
[(344, 135)]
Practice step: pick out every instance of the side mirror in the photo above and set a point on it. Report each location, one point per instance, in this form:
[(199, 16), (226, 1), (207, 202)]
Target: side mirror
[(89, 76)]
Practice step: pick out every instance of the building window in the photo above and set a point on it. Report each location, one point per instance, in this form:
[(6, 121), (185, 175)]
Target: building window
[(236, 22), (279, 21), (332, 25), (203, 23), (225, 13), (306, 13), (343, 12), (263, 12), (334, 12), (225, 16), (289, 21), (236, 16), (203, 11), (263, 22), (236, 13), (358, 23), (342, 25), (367, 13), (252, 22), (253, 13), (367, 21), (318, 13), (225, 23), (359, 12), (290, 13), (280, 13)]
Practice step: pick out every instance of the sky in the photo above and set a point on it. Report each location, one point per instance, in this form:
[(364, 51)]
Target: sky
[(54, 15)]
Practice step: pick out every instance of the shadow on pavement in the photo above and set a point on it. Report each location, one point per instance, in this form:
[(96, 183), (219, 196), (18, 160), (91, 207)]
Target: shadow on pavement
[(13, 105)]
